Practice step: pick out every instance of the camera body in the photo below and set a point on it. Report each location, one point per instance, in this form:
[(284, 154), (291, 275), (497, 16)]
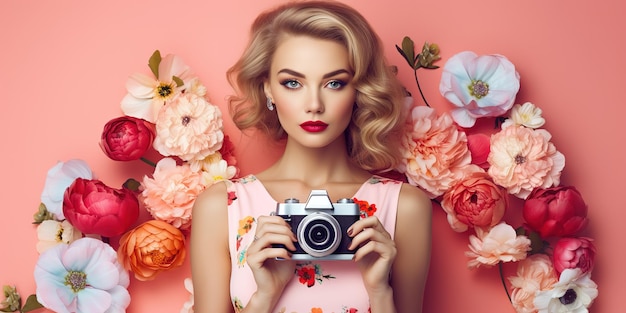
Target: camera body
[(320, 226)]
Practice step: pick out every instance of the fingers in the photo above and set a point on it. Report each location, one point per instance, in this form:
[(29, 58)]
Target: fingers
[(273, 238), (369, 235)]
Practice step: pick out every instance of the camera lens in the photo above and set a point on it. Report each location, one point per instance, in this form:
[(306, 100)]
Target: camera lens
[(319, 234)]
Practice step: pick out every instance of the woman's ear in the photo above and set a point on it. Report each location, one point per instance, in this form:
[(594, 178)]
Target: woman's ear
[(266, 89)]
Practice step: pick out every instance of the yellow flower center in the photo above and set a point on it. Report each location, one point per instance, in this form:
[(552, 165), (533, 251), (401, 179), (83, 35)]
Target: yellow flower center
[(164, 90), (478, 89), (159, 258), (77, 281)]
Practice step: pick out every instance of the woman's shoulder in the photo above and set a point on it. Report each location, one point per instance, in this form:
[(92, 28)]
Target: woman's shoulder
[(414, 201)]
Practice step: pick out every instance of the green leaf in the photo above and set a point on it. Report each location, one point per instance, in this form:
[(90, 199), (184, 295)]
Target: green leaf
[(131, 184), (154, 62), (409, 50), (31, 304), (179, 82), (403, 55)]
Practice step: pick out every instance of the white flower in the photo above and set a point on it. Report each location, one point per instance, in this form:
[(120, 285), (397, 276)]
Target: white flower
[(219, 171), (59, 177), (574, 293), (51, 233), (526, 114), (188, 305)]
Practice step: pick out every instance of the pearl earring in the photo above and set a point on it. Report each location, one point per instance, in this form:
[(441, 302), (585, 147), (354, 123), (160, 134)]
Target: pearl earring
[(270, 105)]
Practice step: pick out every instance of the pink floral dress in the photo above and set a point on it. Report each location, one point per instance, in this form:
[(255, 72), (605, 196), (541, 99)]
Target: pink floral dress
[(316, 287)]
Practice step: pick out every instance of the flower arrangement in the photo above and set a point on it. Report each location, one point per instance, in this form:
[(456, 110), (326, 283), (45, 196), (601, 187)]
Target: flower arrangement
[(80, 267), (91, 241), (474, 177)]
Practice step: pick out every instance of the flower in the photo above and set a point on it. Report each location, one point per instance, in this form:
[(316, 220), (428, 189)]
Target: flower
[(170, 193), (522, 159), (83, 276), (126, 138), (146, 95), (479, 147), (574, 292), (500, 244), (433, 151), (188, 305), (218, 171), (557, 211), (574, 253), (59, 177), (12, 300), (95, 208), (474, 201), (534, 274), (189, 127), (51, 233), (151, 248), (479, 86), (526, 114)]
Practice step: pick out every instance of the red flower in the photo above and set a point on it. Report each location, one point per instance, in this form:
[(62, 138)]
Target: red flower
[(365, 208), (95, 208), (557, 211), (574, 253), (479, 147), (126, 138), (306, 275)]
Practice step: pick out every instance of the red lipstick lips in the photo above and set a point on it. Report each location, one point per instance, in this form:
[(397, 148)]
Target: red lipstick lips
[(314, 126)]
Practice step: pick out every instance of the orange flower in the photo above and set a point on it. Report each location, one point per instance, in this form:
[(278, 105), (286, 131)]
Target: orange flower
[(151, 248)]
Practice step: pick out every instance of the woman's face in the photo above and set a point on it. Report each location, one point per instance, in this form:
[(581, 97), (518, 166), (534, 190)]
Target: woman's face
[(310, 82)]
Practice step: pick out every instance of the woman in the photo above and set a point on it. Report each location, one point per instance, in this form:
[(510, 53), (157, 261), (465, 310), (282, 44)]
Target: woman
[(314, 74)]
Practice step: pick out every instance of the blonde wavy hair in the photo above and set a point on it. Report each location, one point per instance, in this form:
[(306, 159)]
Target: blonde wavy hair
[(373, 136)]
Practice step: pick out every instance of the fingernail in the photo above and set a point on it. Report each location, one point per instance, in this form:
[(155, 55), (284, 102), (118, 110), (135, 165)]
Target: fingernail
[(350, 231)]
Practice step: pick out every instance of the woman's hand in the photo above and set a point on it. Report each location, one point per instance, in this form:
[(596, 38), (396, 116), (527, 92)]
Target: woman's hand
[(375, 253), (271, 275)]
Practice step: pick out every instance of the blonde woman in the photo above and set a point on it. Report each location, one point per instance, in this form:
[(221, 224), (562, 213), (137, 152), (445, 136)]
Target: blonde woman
[(314, 74)]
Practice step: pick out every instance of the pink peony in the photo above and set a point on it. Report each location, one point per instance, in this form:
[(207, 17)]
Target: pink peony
[(170, 194), (95, 208), (574, 253), (534, 274), (522, 159), (126, 138), (478, 86), (479, 147), (500, 244), (189, 127), (559, 211), (434, 151), (475, 201)]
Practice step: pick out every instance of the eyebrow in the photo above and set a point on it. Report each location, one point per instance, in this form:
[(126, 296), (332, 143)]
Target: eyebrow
[(327, 75)]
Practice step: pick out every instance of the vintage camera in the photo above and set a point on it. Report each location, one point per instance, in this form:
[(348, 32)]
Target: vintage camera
[(320, 226)]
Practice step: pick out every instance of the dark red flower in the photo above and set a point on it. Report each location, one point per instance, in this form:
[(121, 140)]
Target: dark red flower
[(126, 138), (306, 275), (558, 211)]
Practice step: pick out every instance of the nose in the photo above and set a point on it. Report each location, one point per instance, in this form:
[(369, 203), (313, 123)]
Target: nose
[(315, 104)]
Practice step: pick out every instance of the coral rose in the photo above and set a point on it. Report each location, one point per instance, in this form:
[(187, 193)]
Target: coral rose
[(559, 211), (433, 151), (151, 248), (126, 138), (522, 159), (475, 201), (500, 244), (95, 208), (574, 253), (170, 194), (534, 274)]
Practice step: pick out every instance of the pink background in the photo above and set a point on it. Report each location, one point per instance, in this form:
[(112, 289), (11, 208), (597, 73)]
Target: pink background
[(66, 63)]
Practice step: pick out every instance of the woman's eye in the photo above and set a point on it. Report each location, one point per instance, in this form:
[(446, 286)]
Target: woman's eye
[(291, 84), (336, 84)]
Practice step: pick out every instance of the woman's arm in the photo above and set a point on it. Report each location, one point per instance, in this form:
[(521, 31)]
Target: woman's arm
[(210, 258), (413, 241)]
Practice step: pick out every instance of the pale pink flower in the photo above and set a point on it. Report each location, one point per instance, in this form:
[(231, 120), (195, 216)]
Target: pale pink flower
[(526, 114), (534, 274), (479, 86), (51, 233), (169, 195), (59, 178), (434, 151), (188, 305), (147, 94), (218, 171), (189, 127), (573, 293), (500, 244), (522, 159)]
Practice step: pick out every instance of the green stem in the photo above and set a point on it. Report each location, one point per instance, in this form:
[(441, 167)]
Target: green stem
[(420, 88), (148, 162), (500, 268)]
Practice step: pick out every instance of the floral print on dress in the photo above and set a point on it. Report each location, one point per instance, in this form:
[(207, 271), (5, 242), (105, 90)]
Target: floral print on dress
[(309, 273), (245, 224), (231, 197), (366, 209), (237, 305), (382, 180)]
